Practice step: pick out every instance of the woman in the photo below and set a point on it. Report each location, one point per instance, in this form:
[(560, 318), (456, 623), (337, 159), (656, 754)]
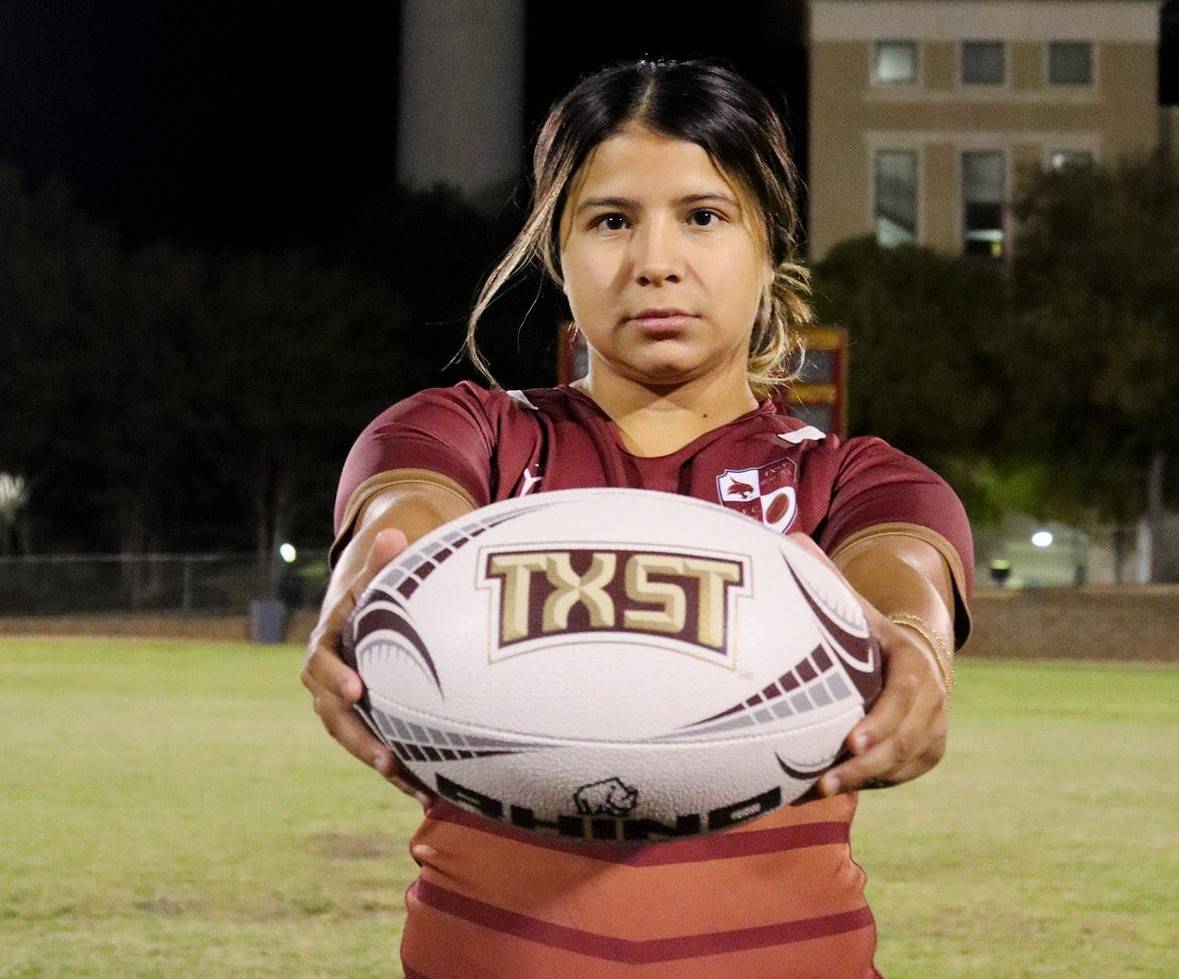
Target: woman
[(664, 208)]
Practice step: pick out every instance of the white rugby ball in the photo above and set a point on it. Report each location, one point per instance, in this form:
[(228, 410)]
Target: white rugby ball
[(612, 664)]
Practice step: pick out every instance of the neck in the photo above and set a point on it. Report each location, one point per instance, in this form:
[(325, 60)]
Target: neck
[(657, 420)]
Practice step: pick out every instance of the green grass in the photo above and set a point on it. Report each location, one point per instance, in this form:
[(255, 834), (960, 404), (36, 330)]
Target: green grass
[(1045, 843), (175, 809)]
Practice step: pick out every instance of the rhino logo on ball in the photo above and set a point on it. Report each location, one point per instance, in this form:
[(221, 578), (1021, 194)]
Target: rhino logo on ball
[(611, 797)]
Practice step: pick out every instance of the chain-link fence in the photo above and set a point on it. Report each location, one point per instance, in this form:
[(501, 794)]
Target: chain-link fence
[(218, 584)]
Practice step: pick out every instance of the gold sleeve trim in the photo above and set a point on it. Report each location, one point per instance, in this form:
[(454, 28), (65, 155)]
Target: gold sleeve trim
[(377, 482), (962, 617)]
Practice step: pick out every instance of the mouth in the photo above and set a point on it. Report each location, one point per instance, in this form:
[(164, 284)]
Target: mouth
[(651, 312), (663, 326), (661, 322)]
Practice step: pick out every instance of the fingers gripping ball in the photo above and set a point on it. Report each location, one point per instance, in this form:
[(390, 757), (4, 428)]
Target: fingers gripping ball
[(608, 664)]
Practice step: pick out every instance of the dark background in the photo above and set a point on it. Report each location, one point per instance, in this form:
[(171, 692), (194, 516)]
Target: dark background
[(265, 121), (259, 122), (259, 137)]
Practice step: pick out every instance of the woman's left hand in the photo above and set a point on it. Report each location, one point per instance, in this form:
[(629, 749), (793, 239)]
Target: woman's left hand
[(904, 735)]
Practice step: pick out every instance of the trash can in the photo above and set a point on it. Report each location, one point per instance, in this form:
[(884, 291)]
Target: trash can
[(268, 619)]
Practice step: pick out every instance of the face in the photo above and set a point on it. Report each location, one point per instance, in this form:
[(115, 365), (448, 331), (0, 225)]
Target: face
[(650, 222)]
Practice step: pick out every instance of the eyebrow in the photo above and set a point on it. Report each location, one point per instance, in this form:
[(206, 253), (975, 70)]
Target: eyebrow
[(628, 202)]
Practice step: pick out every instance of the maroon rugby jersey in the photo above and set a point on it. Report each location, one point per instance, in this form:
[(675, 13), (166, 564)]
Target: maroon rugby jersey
[(778, 896)]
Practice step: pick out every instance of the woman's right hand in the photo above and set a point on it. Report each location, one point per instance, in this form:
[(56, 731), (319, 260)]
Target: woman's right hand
[(334, 686)]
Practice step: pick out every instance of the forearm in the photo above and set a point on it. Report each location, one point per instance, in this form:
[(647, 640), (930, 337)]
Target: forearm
[(413, 506), (406, 510), (909, 594), (909, 582)]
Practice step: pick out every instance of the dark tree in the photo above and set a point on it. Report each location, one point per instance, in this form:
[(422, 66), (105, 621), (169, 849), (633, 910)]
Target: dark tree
[(1097, 313)]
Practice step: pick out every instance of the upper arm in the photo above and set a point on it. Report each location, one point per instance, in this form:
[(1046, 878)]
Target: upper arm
[(910, 545), (888, 507), (415, 501), (901, 572), (430, 453)]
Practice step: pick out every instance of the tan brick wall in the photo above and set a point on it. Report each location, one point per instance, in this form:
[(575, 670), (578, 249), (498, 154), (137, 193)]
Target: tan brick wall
[(208, 628), (1129, 623), (230, 628)]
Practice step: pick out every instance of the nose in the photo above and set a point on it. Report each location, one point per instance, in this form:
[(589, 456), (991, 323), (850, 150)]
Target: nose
[(656, 253)]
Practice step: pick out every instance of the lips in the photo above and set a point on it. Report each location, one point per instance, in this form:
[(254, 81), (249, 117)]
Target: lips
[(662, 322), (659, 313)]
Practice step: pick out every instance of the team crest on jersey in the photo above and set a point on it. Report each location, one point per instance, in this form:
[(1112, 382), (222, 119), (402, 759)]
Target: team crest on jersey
[(766, 493)]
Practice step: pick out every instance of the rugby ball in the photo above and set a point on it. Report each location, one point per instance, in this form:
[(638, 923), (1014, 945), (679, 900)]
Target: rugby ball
[(612, 664)]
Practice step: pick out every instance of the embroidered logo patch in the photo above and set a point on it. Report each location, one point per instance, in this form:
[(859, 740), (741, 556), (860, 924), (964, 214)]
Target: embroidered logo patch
[(766, 493)]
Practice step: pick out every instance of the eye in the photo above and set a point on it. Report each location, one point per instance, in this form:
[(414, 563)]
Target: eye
[(607, 217), (705, 210), (616, 216)]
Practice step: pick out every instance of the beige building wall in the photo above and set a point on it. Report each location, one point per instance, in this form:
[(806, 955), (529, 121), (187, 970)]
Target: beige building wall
[(939, 118)]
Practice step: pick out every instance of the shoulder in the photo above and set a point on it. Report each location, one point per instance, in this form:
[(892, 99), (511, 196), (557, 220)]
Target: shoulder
[(879, 489), (448, 431), (867, 461), (472, 398), (828, 456), (461, 412), (463, 398), (868, 468), (843, 468), (463, 432)]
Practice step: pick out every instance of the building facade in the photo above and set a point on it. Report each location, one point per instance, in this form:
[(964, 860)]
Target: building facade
[(924, 113)]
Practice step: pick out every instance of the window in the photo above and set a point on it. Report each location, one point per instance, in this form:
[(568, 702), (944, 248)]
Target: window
[(983, 181), (982, 63), (896, 196), (896, 63), (1070, 158), (1070, 63)]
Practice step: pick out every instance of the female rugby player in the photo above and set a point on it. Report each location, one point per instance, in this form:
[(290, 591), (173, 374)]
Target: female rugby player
[(664, 209)]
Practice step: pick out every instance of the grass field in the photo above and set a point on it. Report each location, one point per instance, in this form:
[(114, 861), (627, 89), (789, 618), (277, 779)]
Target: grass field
[(175, 809)]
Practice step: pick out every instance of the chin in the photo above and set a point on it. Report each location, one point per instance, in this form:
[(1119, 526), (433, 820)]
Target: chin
[(667, 375), (669, 367)]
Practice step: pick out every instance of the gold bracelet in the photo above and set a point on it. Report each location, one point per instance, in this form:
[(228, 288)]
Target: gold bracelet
[(939, 652)]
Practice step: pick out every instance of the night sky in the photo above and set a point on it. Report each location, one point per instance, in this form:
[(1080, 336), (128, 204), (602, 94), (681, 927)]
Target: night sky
[(258, 122)]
